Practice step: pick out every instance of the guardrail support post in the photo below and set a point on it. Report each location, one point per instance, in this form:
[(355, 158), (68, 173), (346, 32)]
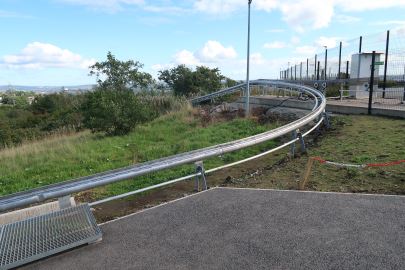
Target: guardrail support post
[(199, 169), (64, 202), (293, 137), (302, 142), (326, 118)]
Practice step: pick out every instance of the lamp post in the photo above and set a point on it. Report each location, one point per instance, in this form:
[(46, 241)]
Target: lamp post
[(326, 61), (247, 68)]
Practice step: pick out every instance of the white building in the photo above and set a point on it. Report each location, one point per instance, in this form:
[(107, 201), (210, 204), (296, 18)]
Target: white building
[(361, 69)]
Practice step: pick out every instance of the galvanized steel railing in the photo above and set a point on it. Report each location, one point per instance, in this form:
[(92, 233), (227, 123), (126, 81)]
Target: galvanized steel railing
[(73, 186)]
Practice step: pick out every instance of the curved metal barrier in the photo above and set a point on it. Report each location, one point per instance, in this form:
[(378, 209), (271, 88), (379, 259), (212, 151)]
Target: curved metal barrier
[(81, 184)]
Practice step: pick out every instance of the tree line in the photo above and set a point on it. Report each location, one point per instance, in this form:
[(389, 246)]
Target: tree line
[(124, 97)]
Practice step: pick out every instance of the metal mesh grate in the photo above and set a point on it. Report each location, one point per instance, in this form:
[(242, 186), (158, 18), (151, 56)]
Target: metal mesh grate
[(38, 237)]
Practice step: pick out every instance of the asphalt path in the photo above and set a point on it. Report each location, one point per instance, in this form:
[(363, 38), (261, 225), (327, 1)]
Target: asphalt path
[(226, 228)]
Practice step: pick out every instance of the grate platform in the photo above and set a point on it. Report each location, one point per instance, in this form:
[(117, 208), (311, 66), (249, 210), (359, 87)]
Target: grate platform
[(38, 237)]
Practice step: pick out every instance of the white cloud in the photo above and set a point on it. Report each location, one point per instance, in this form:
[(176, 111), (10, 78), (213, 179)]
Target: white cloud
[(231, 65), (229, 6), (301, 14), (266, 5), (158, 67), (305, 50), (212, 54), (390, 22), (257, 59), (342, 18), (275, 45), (166, 9), (185, 57), (108, 5), (400, 31), (363, 5), (44, 55), (295, 40), (218, 6), (330, 42), (213, 51)]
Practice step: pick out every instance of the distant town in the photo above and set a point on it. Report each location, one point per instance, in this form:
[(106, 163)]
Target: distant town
[(46, 89)]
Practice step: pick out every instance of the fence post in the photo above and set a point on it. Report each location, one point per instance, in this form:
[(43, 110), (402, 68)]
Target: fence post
[(370, 97), (295, 72), (317, 74), (340, 59), (326, 63), (315, 67), (359, 58), (307, 67), (403, 98), (347, 69), (301, 71), (387, 44)]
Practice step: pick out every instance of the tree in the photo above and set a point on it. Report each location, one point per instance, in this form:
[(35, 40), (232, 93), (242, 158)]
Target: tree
[(113, 107), (113, 112), (208, 80), (119, 75), (180, 79), (186, 82)]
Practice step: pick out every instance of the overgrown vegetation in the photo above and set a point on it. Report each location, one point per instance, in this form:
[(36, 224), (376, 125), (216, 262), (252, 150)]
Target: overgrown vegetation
[(47, 115), (121, 100), (61, 158)]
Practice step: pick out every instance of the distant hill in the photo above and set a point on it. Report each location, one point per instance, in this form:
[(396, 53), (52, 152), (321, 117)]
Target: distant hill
[(46, 89)]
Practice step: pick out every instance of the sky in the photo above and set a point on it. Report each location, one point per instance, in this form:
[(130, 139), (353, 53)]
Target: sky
[(53, 42)]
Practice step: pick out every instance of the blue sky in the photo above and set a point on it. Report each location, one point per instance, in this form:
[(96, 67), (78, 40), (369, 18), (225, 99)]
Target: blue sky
[(52, 42)]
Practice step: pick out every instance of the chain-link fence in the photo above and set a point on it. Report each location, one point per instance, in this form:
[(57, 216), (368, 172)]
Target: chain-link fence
[(368, 71)]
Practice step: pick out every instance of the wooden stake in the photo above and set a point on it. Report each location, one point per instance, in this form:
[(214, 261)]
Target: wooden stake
[(304, 181)]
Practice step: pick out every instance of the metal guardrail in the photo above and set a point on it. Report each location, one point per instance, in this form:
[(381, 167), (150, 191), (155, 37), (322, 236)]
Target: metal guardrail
[(73, 186)]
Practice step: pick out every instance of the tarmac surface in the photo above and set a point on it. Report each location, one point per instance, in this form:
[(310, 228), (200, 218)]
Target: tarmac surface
[(225, 228)]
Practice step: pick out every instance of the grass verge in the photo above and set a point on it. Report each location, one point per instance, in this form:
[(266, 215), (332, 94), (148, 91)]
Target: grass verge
[(353, 139), (65, 157)]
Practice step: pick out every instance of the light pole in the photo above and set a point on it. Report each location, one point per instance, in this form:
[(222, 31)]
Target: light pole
[(247, 68), (326, 61)]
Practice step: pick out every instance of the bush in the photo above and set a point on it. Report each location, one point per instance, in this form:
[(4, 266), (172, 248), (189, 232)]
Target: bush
[(115, 112), (186, 82)]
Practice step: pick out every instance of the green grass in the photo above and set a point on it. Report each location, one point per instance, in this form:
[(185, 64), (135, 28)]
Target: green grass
[(362, 140), (65, 157), (353, 139)]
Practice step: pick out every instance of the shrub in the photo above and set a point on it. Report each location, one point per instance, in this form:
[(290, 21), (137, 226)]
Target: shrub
[(115, 112)]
